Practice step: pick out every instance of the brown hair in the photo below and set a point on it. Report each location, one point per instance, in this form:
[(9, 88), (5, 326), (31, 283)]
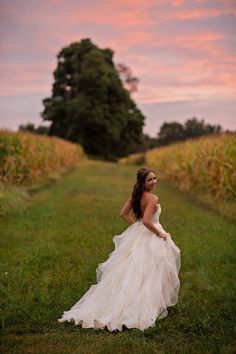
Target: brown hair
[(138, 190)]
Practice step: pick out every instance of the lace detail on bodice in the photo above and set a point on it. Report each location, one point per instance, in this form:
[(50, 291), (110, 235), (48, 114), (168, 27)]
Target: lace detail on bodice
[(156, 215)]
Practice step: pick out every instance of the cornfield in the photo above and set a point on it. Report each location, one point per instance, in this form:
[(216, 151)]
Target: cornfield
[(27, 158), (207, 163)]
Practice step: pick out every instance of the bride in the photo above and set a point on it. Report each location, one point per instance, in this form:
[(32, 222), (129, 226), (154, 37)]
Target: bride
[(139, 280)]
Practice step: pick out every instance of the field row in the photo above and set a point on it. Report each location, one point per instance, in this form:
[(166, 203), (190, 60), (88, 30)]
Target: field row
[(26, 158)]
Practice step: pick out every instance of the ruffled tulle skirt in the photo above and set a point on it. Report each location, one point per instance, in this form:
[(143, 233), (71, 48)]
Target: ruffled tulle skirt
[(135, 285)]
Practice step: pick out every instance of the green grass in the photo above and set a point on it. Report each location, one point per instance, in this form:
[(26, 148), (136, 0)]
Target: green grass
[(51, 248)]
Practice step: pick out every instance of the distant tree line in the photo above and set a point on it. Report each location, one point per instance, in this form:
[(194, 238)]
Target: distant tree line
[(30, 127), (169, 133), (192, 128), (174, 131)]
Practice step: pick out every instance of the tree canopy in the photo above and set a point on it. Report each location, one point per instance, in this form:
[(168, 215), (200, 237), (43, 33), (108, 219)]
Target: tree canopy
[(89, 104)]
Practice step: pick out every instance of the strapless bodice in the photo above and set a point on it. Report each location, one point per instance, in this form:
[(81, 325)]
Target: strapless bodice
[(156, 215)]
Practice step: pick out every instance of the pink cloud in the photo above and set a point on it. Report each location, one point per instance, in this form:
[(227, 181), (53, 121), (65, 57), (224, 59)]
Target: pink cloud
[(195, 14), (177, 3), (20, 79), (169, 64)]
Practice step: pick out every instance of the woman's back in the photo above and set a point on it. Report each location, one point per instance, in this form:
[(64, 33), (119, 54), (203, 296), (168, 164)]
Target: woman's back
[(147, 198)]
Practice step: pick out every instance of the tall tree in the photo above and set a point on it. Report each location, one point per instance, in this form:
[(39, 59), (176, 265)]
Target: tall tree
[(89, 104)]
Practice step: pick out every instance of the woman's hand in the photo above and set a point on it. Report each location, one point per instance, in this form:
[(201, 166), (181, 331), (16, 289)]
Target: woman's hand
[(163, 235)]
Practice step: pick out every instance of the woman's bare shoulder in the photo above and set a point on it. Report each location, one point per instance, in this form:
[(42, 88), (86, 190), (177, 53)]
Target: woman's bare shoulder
[(150, 197)]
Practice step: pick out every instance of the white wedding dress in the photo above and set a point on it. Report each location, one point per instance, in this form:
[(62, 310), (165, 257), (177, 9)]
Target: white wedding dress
[(135, 285)]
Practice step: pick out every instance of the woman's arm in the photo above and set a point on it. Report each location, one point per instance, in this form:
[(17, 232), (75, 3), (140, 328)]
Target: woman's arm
[(147, 217), (126, 209)]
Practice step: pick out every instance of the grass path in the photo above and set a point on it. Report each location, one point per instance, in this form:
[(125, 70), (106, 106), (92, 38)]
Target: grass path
[(50, 251)]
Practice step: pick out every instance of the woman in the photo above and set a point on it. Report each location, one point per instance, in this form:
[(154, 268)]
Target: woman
[(139, 280)]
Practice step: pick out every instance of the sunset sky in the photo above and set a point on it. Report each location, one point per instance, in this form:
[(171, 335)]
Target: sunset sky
[(182, 51)]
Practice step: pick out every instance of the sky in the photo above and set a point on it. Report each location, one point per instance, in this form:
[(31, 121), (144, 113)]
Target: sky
[(182, 51)]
